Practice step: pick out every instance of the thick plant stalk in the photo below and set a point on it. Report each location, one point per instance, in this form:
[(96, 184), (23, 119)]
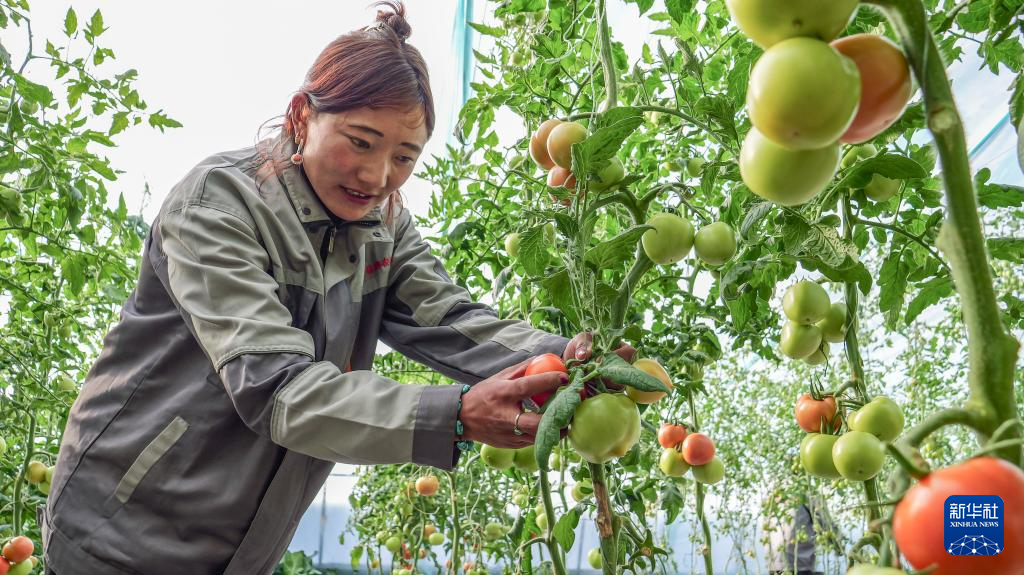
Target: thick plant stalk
[(605, 525), (549, 537), (854, 358), (992, 351), (456, 529)]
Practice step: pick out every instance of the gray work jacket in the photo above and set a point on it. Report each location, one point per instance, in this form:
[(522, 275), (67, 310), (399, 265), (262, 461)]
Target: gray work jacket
[(237, 375)]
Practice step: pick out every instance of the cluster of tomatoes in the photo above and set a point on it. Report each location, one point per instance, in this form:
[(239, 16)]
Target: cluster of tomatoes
[(858, 454), (807, 97), (683, 451), (673, 237), (551, 148), (814, 321), (17, 556)]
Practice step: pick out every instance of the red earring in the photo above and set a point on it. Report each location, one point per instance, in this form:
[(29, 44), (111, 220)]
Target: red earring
[(297, 156)]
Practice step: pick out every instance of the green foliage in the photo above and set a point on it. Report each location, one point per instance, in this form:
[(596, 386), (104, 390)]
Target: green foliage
[(69, 249)]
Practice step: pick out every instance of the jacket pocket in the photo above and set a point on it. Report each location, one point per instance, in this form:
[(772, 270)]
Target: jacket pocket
[(143, 463)]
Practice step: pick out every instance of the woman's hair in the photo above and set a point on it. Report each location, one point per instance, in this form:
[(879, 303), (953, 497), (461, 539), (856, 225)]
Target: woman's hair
[(373, 67)]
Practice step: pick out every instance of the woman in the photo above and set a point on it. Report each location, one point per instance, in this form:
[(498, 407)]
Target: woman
[(237, 375)]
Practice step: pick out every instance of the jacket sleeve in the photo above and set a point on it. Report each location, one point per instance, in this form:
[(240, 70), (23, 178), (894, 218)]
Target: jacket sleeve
[(220, 275), (435, 322)]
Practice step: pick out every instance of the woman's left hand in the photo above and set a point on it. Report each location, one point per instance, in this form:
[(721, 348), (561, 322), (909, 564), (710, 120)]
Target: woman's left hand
[(581, 346)]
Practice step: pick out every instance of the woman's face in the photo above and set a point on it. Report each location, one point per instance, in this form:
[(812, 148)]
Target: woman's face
[(355, 159)]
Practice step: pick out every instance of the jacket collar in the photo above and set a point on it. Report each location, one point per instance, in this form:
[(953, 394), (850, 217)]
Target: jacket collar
[(310, 210)]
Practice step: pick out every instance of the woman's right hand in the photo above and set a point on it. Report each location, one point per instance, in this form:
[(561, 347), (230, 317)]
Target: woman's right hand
[(489, 410)]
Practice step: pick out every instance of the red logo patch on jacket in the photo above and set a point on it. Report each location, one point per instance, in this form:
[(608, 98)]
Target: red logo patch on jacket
[(377, 266)]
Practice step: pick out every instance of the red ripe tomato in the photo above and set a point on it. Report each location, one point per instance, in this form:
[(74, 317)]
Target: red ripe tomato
[(18, 549), (884, 80), (544, 364), (919, 520), (671, 435), (811, 412), (4, 566), (698, 449)]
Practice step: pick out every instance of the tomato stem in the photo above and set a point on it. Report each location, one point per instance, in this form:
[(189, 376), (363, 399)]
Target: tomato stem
[(607, 59), (992, 350), (456, 528), (950, 416), (549, 510), (915, 469), (605, 526)]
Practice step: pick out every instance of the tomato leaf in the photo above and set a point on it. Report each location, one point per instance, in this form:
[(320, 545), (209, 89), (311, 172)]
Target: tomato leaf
[(997, 195), (560, 293), (605, 142), (487, 30), (611, 253), (1009, 249), (755, 213), (533, 251), (888, 165), (616, 115), (565, 529), (558, 413), (618, 371), (932, 292), (892, 283)]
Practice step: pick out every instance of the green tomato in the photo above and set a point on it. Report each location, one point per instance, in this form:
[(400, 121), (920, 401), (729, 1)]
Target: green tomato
[(525, 459), (48, 476), (521, 500), (806, 302), (881, 417), (858, 456), (582, 490), (670, 240), (768, 22), (555, 462), (818, 356), (512, 245), (497, 457), (715, 243), (594, 558), (799, 341), (66, 384), (783, 176), (672, 462), (520, 59), (493, 531), (22, 568), (710, 473), (881, 188), (833, 326), (694, 166), (816, 455), (611, 174), (10, 199), (605, 427), (803, 94), (673, 166), (874, 570), (393, 544), (858, 153), (3, 446), (436, 538), (542, 521), (382, 536), (28, 108)]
